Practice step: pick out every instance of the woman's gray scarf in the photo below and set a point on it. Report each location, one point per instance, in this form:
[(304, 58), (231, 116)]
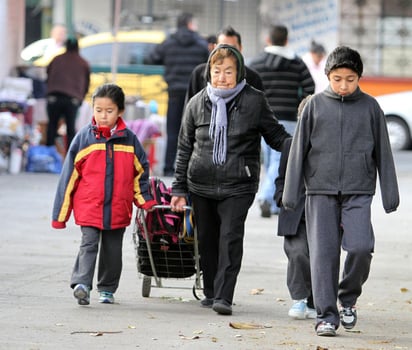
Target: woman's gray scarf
[(218, 122)]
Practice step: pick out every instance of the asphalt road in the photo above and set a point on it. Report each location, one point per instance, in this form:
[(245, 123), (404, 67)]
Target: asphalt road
[(38, 310)]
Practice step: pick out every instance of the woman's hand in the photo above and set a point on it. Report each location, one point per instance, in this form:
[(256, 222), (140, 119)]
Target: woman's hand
[(177, 203)]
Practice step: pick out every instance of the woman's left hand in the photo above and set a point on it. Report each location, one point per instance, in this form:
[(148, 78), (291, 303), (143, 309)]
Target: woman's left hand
[(178, 203)]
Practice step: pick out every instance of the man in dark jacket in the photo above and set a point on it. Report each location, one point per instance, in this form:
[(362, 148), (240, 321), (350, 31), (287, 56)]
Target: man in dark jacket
[(286, 81), (179, 53), (68, 79)]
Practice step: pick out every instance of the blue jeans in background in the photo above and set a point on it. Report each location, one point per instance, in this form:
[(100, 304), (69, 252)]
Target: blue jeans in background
[(271, 159)]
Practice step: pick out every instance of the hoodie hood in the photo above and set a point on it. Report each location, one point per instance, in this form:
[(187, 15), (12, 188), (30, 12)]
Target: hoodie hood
[(278, 57), (281, 51), (185, 36)]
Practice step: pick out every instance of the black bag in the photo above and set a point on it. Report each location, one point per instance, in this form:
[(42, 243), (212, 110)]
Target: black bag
[(171, 260)]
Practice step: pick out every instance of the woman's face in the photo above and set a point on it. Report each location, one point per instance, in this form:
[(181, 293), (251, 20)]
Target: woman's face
[(223, 73), (343, 81), (105, 112)]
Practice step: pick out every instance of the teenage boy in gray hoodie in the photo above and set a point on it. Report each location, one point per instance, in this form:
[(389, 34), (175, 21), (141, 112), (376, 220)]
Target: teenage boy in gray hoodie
[(340, 145)]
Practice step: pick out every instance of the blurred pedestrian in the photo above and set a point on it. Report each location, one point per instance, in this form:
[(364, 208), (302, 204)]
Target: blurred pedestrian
[(68, 79), (315, 60), (211, 42), (286, 81), (104, 173), (228, 36), (292, 227), (218, 164), (340, 145), (58, 36), (179, 53)]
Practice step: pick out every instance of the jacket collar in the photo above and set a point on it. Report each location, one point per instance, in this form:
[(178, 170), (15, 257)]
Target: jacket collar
[(353, 96)]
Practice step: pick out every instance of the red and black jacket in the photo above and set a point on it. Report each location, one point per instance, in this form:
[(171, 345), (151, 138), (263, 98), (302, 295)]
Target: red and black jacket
[(103, 175)]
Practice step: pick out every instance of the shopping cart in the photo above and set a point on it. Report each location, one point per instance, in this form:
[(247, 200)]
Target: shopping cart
[(172, 254)]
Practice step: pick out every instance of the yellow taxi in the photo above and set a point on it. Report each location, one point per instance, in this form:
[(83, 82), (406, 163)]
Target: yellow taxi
[(137, 79)]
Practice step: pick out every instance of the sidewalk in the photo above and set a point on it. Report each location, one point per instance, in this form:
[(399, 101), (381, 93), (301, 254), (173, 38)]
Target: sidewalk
[(38, 310)]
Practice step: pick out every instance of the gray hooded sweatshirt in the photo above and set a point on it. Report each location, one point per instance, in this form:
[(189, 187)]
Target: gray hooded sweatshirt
[(339, 146)]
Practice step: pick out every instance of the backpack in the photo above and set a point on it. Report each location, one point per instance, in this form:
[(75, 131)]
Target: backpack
[(162, 221)]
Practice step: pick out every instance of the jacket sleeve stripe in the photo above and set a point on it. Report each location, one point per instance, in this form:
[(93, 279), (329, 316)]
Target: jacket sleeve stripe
[(137, 190), (66, 205)]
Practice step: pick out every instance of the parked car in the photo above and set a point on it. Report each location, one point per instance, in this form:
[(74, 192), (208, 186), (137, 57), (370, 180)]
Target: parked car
[(398, 112), (137, 79)]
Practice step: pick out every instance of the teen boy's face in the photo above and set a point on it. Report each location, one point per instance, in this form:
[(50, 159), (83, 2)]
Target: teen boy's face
[(343, 81), (105, 112)]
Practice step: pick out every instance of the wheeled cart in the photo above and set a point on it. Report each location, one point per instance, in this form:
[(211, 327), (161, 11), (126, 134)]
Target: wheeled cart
[(165, 255)]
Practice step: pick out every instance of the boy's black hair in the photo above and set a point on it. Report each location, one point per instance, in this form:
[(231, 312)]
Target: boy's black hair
[(344, 57), (112, 91)]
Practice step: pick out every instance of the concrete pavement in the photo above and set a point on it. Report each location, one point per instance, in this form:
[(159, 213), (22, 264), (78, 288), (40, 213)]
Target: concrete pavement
[(38, 311)]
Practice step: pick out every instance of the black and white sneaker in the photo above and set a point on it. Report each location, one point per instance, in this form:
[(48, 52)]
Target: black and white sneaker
[(348, 316), (326, 329)]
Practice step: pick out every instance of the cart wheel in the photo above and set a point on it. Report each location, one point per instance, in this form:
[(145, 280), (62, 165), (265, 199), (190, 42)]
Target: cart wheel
[(146, 286)]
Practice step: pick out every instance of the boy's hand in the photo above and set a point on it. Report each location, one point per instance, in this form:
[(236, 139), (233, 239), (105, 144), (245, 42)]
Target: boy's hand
[(148, 206)]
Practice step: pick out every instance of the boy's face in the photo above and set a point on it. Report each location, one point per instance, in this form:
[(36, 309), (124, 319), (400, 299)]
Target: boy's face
[(343, 81), (105, 112)]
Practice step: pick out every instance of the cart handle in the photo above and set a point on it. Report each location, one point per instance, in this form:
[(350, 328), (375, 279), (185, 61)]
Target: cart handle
[(163, 206)]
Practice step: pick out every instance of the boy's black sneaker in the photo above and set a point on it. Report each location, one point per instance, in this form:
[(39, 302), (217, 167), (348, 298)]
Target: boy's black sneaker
[(326, 329)]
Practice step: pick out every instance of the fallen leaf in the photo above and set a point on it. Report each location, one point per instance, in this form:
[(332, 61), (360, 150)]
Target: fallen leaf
[(385, 341), (404, 290), (244, 325), (131, 327), (280, 299), (256, 291), (321, 348), (198, 332), (214, 339)]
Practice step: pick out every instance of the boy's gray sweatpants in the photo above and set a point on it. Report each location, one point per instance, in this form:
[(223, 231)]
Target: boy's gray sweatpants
[(334, 222), (298, 271), (110, 258)]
